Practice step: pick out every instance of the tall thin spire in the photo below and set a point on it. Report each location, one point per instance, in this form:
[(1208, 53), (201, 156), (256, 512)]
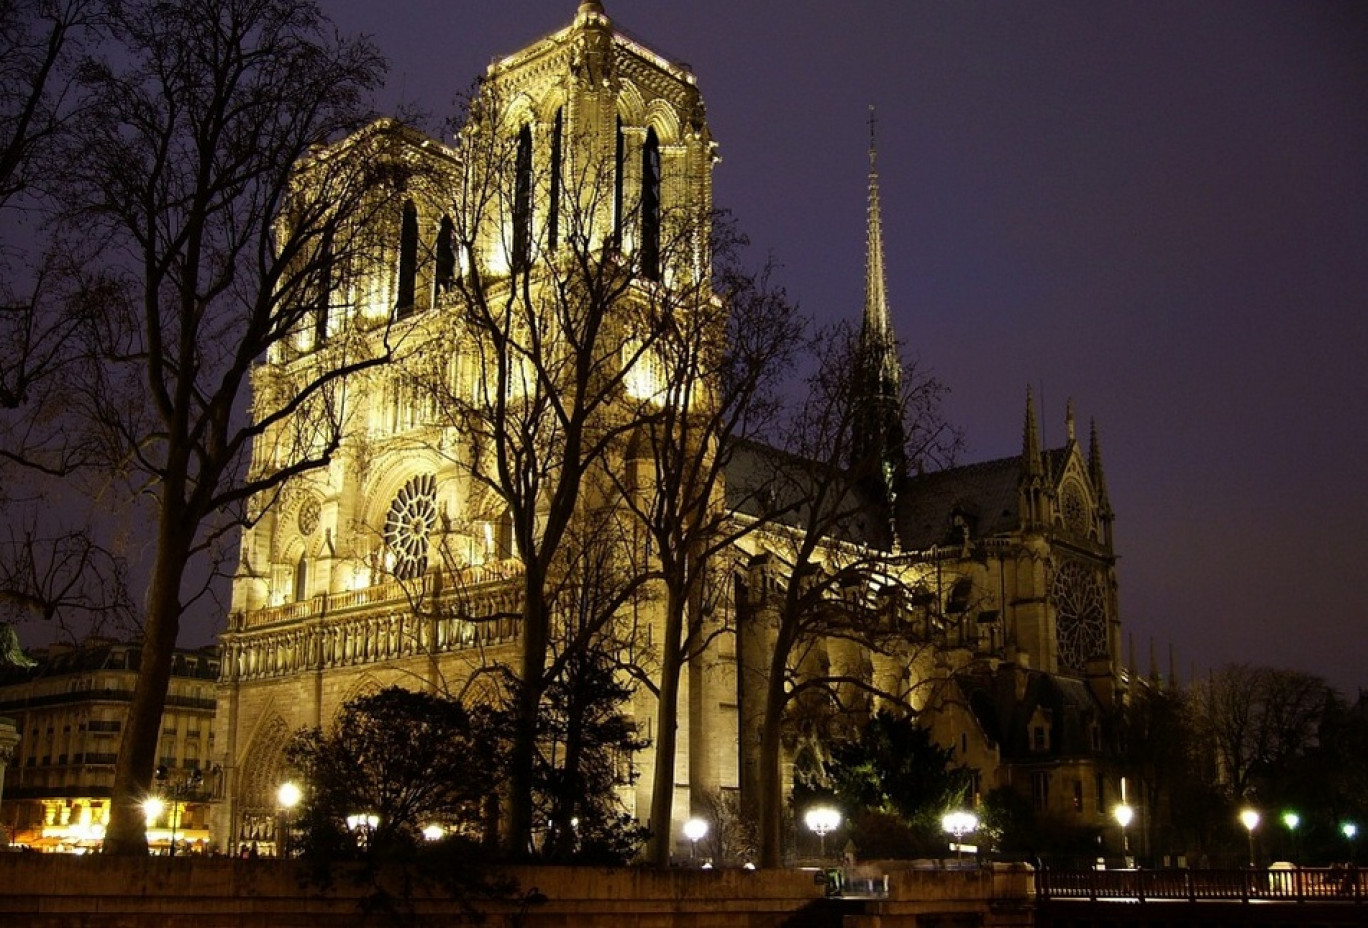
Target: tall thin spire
[(878, 323), (1095, 470), (1030, 438), (877, 440)]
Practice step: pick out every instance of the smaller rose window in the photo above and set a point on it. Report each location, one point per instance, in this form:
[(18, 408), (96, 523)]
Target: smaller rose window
[(309, 511), (412, 516), (1076, 514)]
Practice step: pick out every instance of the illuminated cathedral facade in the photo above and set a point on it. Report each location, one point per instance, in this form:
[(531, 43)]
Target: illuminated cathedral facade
[(399, 563)]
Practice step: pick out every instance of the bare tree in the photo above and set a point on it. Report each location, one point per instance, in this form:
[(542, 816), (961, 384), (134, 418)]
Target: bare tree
[(821, 580), (559, 327), (720, 364), (39, 42), (1257, 720), (201, 208), (66, 578)]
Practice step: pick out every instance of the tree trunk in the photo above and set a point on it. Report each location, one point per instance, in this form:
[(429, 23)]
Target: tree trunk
[(770, 780), (127, 832), (527, 716), (667, 733)]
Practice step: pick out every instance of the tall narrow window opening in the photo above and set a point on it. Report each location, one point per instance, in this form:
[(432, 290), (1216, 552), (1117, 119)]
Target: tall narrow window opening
[(408, 260), (301, 580), (323, 299), (650, 207), (445, 270), (619, 164), (553, 217), (522, 202)]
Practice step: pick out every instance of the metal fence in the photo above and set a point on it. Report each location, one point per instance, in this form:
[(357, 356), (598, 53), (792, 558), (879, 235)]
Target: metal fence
[(1303, 884)]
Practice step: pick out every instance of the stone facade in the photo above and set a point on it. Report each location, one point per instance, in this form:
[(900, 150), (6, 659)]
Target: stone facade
[(394, 564)]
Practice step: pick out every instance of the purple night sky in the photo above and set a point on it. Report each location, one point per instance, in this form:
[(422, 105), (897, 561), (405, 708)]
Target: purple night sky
[(1158, 208)]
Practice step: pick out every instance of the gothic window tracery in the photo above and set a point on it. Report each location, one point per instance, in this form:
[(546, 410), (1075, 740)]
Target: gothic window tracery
[(412, 517), (1075, 508), (1080, 613)]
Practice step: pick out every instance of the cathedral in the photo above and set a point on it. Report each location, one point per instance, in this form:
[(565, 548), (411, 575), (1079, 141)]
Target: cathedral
[(494, 452)]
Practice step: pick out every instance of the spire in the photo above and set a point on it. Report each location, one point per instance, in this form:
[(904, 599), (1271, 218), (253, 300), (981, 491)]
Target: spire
[(1069, 429), (877, 334), (1030, 439), (877, 440), (1099, 479)]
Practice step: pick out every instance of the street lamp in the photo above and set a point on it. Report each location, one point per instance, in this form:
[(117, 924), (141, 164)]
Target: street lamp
[(1350, 832), (362, 824), (1124, 815), (695, 829), (959, 823), (1292, 820), (434, 832), (153, 807), (822, 820), (1250, 819), (287, 797)]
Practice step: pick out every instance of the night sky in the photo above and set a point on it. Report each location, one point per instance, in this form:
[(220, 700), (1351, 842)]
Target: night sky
[(1159, 209)]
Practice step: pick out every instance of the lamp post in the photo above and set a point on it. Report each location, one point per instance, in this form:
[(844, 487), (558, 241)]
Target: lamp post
[(287, 797), (1292, 820), (153, 807), (959, 823), (695, 829), (1124, 814), (1350, 832), (822, 820), (362, 824), (1250, 819)]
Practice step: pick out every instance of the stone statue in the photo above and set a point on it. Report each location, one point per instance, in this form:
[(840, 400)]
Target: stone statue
[(11, 654)]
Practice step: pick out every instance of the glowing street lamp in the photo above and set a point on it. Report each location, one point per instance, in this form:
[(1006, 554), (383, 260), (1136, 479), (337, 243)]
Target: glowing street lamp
[(362, 824), (822, 820), (287, 797), (1250, 819), (1124, 815), (1350, 832), (153, 807), (959, 823), (434, 832), (695, 829)]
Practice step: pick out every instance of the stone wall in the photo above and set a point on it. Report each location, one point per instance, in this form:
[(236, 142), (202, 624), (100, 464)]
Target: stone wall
[(57, 891)]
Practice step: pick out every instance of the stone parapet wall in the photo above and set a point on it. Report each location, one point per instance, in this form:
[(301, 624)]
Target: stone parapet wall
[(57, 891)]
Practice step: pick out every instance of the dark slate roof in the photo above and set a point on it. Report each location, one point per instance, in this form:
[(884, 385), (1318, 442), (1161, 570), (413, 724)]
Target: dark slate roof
[(56, 662), (1005, 719), (984, 494), (761, 477)]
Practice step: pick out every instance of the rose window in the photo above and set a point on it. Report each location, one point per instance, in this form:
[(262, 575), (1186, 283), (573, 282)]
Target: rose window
[(1075, 509), (1081, 615), (412, 516), (309, 511)]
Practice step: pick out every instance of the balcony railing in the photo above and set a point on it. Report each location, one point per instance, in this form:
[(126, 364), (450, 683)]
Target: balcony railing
[(1302, 884)]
